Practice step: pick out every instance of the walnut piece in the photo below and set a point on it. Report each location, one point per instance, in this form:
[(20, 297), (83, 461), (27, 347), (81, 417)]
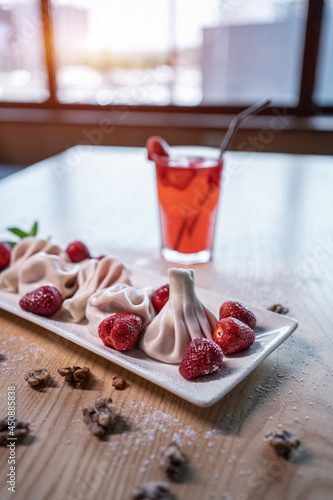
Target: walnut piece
[(19, 431), (100, 421), (155, 490), (279, 309), (283, 442), (75, 374), (37, 377), (103, 402), (174, 462), (118, 382)]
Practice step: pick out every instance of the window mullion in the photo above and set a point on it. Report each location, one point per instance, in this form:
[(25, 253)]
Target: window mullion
[(49, 49), (310, 56)]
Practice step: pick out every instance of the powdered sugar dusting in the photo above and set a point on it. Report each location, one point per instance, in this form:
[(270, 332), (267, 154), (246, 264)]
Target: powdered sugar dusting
[(23, 353)]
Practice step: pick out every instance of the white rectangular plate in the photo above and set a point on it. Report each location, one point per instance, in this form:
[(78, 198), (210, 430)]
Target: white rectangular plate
[(272, 329)]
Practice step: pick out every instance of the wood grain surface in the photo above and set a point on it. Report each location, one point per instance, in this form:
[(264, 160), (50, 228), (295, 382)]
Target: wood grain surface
[(274, 243)]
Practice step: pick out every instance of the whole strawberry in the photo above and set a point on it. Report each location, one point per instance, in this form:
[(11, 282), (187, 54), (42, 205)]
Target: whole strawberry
[(161, 297), (156, 146), (120, 331), (202, 357), (77, 251), (45, 301), (233, 336), (238, 311), (5, 251)]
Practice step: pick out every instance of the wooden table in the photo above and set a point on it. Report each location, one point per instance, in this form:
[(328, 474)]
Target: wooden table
[(274, 243)]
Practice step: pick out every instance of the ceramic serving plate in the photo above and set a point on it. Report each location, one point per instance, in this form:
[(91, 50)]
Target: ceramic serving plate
[(272, 329)]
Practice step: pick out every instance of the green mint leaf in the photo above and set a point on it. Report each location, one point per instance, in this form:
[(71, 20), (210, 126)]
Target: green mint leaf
[(34, 229), (18, 232)]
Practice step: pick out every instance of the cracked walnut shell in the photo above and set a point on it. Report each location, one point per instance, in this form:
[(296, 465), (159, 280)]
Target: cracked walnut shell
[(278, 308), (118, 382), (100, 420), (17, 429), (154, 490), (175, 463), (283, 442), (37, 377), (75, 374)]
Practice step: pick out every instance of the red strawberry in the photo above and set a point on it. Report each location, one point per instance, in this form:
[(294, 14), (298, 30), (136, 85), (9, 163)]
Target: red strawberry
[(5, 251), (238, 311), (77, 251), (233, 336), (179, 178), (161, 297), (202, 357), (120, 331), (156, 146), (45, 301)]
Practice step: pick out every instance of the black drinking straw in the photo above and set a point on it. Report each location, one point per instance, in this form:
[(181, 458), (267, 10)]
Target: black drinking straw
[(227, 140), (235, 122)]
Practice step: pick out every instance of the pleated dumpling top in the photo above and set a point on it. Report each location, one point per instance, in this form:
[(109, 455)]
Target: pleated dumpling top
[(182, 319), (45, 269), (119, 298), (21, 252), (93, 275)]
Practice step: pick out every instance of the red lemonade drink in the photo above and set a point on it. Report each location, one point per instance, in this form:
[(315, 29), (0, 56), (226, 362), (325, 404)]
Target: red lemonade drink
[(188, 189)]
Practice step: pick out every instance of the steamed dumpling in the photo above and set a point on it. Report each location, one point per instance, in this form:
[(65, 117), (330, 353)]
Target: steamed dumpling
[(21, 252), (119, 298), (93, 275), (44, 269), (182, 319)]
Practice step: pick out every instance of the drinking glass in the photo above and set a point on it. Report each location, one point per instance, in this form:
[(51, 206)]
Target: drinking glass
[(188, 189)]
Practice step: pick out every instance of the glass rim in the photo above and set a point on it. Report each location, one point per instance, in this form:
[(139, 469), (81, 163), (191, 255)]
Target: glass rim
[(183, 161)]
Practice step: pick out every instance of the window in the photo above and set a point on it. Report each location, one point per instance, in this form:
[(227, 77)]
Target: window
[(23, 74), (131, 52), (210, 55), (324, 87), (255, 50)]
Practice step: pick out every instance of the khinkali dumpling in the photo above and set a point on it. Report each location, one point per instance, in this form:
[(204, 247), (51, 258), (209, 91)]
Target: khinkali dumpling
[(44, 269), (119, 298), (93, 275), (182, 319), (21, 252)]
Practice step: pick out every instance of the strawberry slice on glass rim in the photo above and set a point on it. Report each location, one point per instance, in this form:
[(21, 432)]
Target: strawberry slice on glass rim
[(156, 146)]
